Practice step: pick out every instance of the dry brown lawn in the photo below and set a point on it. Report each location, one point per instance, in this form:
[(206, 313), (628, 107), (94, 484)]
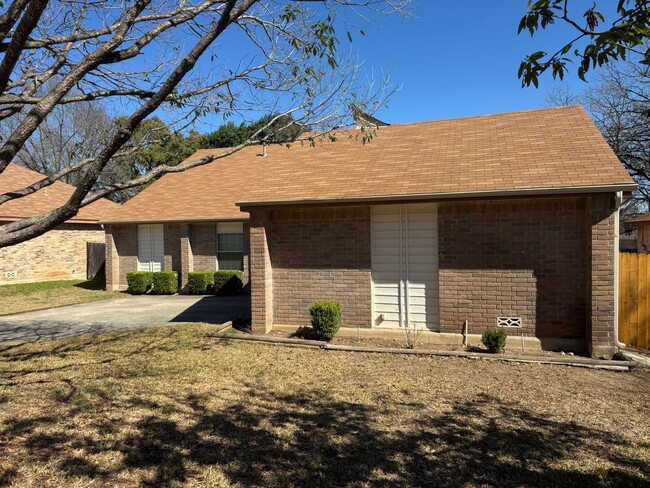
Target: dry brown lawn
[(27, 297), (170, 407)]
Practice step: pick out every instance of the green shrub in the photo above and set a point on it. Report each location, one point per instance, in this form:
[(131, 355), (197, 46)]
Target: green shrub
[(494, 340), (139, 281), (228, 282), (325, 318), (165, 282), (200, 282)]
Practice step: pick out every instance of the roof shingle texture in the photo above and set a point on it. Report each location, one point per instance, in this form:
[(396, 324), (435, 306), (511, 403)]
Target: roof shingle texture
[(16, 177), (550, 148)]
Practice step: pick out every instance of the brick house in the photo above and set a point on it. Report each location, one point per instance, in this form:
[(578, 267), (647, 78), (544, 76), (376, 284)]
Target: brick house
[(641, 223), (506, 220), (59, 254)]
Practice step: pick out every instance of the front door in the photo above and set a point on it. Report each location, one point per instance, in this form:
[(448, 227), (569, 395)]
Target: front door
[(405, 266)]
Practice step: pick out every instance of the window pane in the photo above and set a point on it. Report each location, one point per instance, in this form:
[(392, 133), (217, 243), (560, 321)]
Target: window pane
[(231, 261), (230, 242)]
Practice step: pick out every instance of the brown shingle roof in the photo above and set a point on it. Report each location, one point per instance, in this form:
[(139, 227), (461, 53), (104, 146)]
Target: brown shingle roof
[(540, 149), (16, 177)]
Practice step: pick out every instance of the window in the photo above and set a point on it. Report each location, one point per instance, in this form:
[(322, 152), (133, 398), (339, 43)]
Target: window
[(230, 246), (151, 251)]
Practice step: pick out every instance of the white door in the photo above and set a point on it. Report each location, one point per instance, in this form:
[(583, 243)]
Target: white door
[(405, 265), (151, 248)]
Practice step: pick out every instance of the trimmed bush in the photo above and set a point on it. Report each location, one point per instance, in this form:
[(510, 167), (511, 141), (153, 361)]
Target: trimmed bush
[(494, 340), (325, 318), (165, 282), (200, 282), (228, 282), (139, 281)]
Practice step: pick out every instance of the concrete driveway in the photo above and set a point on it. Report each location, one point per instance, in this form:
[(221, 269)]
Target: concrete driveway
[(120, 314)]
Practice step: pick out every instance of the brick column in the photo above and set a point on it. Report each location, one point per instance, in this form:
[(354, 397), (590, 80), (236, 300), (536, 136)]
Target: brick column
[(261, 273), (601, 305), (112, 261), (187, 258)]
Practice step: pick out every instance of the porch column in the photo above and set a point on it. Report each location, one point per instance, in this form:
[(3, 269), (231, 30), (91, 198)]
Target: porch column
[(112, 268), (187, 258), (261, 278), (601, 307)]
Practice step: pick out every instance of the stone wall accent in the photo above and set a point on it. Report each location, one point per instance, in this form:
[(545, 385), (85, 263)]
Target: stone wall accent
[(59, 254), (521, 258)]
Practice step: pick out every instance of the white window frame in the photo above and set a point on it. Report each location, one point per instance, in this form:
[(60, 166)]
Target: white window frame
[(225, 228), (148, 259)]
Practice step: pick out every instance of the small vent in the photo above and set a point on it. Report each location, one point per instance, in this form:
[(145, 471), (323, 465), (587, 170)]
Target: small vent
[(509, 321), (10, 274)]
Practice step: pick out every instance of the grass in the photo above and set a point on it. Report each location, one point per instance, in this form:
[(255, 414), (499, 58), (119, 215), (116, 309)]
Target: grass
[(27, 297), (170, 407)]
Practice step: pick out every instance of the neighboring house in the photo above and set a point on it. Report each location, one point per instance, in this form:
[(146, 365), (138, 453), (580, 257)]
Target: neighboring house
[(59, 254), (505, 220), (642, 225), (628, 239)]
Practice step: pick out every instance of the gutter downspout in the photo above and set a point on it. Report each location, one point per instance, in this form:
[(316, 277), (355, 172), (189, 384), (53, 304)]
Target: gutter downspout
[(617, 217)]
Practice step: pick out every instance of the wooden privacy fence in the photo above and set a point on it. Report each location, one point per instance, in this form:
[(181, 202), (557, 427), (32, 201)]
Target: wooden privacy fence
[(633, 300), (95, 257)]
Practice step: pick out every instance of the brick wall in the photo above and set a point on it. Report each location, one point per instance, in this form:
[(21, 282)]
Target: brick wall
[(172, 243), (320, 254), (260, 229), (121, 254), (601, 275), (200, 240), (203, 239), (524, 258), (59, 254)]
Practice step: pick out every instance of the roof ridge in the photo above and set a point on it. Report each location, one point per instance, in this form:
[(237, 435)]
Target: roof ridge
[(497, 114)]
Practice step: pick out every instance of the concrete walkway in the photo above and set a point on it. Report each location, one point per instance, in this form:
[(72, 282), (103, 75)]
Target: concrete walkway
[(120, 314)]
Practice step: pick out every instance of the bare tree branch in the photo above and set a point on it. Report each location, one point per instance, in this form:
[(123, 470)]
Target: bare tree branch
[(132, 59)]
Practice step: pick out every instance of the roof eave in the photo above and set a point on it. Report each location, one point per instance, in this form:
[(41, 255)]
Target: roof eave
[(14, 218), (243, 218), (575, 190)]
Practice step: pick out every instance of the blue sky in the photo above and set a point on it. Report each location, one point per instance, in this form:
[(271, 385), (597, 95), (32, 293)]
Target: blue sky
[(450, 59), (455, 59)]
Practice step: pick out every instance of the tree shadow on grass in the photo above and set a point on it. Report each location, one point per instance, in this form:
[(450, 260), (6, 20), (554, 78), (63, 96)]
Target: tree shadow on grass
[(311, 439), (14, 355)]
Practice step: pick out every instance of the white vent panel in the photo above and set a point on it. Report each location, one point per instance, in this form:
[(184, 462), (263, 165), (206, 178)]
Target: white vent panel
[(509, 321)]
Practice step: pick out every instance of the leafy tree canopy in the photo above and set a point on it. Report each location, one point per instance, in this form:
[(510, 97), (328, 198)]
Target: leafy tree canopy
[(283, 128), (598, 39)]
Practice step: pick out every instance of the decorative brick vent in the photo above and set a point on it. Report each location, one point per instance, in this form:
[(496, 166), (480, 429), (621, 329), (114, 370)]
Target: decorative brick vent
[(509, 321)]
